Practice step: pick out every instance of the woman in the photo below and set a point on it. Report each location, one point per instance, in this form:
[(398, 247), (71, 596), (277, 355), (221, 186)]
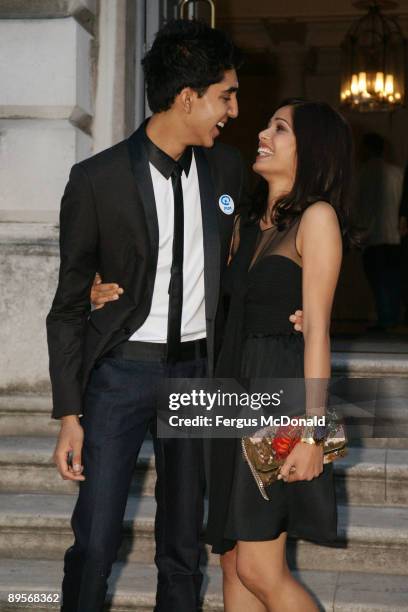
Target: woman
[(286, 255)]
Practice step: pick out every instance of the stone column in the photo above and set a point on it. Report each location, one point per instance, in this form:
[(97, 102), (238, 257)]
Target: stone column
[(291, 58), (46, 106), (114, 112)]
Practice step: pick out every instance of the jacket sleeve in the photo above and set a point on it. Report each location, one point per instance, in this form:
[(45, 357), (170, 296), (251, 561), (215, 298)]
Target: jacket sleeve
[(67, 318)]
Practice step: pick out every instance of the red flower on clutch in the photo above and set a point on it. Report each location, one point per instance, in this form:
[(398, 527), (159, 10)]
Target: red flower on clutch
[(285, 440)]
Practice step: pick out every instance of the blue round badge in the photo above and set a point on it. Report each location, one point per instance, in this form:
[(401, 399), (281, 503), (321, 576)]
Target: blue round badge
[(226, 203)]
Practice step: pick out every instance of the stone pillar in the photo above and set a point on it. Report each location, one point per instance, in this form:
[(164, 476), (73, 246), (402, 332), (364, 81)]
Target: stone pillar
[(114, 116), (46, 104), (291, 57)]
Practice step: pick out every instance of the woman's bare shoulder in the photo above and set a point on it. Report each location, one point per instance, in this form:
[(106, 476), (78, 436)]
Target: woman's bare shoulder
[(320, 211), (319, 225), (319, 216)]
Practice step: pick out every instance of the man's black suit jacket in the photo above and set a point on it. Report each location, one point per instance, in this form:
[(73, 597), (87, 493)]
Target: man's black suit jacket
[(108, 223)]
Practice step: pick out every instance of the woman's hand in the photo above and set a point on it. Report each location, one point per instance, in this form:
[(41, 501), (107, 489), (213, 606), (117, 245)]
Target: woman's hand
[(104, 292), (304, 462)]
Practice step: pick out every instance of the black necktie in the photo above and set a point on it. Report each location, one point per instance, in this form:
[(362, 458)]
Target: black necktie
[(176, 279)]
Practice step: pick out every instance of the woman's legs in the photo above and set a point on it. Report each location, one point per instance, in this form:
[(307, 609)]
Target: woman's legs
[(237, 598), (263, 570)]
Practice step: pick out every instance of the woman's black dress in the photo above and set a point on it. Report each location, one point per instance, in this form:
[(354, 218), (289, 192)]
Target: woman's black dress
[(264, 281)]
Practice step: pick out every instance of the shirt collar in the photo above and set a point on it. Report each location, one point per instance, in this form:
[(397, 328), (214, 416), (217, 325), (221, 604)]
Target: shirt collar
[(163, 162)]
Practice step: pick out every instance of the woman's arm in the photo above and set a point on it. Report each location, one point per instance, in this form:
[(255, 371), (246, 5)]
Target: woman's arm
[(320, 244)]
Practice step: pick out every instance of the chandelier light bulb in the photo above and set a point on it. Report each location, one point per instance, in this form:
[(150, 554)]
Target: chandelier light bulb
[(354, 85), (379, 82), (362, 82), (389, 84)]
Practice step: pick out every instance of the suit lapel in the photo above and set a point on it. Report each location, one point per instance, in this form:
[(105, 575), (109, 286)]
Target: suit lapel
[(143, 178), (211, 239), (210, 234), (141, 170)]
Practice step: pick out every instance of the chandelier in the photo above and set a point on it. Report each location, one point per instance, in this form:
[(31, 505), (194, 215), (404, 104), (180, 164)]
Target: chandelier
[(374, 61)]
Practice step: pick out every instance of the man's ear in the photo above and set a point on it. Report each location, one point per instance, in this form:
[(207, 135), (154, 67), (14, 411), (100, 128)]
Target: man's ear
[(186, 99)]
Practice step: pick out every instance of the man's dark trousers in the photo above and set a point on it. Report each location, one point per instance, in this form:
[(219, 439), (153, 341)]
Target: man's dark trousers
[(120, 406)]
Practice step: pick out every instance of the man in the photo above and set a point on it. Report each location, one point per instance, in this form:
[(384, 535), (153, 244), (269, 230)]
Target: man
[(154, 214), (117, 218), (379, 196)]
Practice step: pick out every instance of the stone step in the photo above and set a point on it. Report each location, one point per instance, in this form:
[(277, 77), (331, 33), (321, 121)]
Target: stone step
[(26, 465), (132, 587), (391, 443), (364, 476), (373, 476), (370, 539), (376, 343), (26, 414), (369, 363), (29, 415)]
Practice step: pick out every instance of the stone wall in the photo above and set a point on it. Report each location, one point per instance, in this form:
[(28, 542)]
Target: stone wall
[(28, 273), (67, 90), (68, 85), (47, 93)]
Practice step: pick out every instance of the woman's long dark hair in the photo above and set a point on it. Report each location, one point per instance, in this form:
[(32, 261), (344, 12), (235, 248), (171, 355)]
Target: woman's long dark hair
[(324, 149)]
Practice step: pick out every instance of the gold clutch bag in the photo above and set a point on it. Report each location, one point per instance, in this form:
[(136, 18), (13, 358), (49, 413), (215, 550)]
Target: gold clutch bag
[(267, 451)]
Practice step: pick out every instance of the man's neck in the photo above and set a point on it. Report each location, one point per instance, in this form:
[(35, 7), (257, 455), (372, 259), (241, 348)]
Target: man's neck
[(164, 132)]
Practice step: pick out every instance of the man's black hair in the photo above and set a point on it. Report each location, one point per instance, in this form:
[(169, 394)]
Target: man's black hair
[(186, 54)]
